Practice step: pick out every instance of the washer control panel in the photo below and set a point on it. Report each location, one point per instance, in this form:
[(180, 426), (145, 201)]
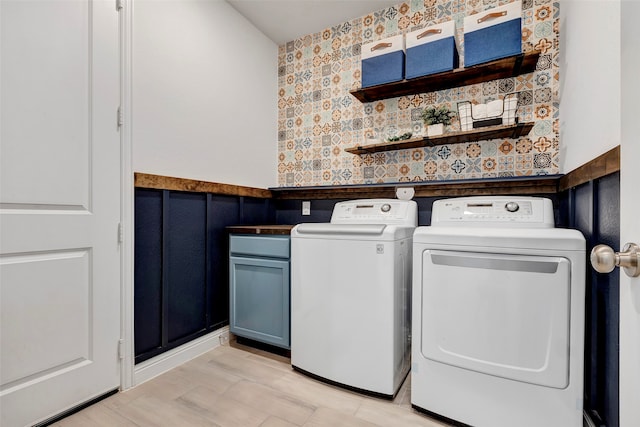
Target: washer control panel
[(376, 211), (489, 211)]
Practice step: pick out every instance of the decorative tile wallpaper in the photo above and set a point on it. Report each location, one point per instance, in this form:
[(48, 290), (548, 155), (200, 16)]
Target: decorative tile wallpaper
[(318, 117)]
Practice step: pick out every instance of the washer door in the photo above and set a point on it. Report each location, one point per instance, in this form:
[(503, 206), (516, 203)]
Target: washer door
[(499, 314)]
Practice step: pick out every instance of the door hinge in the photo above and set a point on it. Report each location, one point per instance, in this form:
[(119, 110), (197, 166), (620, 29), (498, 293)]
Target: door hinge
[(121, 349), (119, 117), (120, 233), (119, 5)]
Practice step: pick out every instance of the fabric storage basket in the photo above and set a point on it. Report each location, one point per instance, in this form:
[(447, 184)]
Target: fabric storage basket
[(493, 34), (383, 61), (431, 50)]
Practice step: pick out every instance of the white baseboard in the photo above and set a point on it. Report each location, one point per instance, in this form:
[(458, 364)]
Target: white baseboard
[(173, 358)]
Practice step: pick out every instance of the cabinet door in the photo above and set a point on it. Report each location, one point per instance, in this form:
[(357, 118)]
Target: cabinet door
[(259, 300)]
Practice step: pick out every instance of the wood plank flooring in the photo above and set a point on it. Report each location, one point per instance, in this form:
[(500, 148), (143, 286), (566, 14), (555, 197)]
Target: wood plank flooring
[(239, 386)]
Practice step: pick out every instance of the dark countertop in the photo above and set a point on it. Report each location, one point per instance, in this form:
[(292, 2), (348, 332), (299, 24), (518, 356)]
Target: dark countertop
[(261, 229)]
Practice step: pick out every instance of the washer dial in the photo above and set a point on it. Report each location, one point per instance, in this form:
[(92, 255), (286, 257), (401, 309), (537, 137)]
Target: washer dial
[(512, 207)]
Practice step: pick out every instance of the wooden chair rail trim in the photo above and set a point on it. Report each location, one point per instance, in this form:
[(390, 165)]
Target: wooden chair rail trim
[(603, 165), (160, 182)]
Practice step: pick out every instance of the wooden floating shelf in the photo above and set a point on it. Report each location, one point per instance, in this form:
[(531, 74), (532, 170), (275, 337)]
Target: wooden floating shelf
[(492, 132), (500, 69)]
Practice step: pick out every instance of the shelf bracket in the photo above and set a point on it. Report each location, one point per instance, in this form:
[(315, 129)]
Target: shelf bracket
[(518, 64)]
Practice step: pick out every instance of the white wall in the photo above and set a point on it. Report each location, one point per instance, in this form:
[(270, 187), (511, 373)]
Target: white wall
[(589, 80), (204, 93)]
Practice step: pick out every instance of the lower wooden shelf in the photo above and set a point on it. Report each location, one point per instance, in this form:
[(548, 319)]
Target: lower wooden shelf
[(492, 132)]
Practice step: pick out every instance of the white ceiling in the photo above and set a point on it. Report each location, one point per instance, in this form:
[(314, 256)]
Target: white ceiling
[(286, 20)]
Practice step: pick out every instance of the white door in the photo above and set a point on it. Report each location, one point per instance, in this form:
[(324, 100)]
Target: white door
[(630, 214), (60, 206)]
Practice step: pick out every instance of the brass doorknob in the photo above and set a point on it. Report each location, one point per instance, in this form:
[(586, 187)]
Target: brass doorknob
[(604, 259)]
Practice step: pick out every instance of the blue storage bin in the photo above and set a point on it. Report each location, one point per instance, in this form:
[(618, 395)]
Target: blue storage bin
[(431, 50), (493, 34), (383, 61)]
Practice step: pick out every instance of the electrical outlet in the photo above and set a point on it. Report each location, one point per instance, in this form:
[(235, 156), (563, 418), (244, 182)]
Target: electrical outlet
[(306, 207)]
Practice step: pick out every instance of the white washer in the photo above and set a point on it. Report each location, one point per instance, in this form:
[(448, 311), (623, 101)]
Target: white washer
[(498, 314), (350, 295)]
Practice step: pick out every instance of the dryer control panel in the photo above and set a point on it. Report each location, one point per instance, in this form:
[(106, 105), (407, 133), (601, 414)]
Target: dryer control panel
[(503, 211)]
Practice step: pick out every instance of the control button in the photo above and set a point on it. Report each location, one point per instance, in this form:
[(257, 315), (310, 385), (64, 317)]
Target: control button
[(385, 208), (512, 207)]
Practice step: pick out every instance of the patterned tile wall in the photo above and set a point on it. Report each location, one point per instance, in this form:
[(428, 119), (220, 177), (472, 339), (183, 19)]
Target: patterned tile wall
[(318, 117)]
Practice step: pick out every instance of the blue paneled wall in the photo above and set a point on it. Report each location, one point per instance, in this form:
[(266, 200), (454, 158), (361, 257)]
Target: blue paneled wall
[(181, 266)]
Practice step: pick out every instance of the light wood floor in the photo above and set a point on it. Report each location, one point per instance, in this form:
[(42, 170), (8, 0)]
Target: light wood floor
[(244, 387)]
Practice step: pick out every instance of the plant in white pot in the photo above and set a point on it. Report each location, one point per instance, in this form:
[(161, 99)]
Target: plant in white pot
[(435, 118)]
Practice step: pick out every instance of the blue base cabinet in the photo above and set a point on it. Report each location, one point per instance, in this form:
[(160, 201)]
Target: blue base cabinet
[(259, 288)]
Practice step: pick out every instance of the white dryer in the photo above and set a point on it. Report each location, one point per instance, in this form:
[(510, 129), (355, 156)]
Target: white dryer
[(498, 314), (350, 295)]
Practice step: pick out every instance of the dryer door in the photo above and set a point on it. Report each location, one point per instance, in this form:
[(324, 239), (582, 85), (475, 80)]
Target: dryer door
[(499, 314)]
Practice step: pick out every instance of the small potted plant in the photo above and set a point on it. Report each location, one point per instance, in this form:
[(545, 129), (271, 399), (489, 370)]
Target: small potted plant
[(435, 118)]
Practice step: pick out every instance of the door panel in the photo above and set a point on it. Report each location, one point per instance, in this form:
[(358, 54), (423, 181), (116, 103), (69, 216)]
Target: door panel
[(504, 315), (60, 206), (47, 122), (629, 208), (62, 340)]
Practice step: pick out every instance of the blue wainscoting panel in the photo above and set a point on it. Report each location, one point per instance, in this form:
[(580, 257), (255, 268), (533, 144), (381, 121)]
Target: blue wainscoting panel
[(181, 288), (148, 271), (607, 290), (222, 211), (255, 211), (290, 211), (186, 265)]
